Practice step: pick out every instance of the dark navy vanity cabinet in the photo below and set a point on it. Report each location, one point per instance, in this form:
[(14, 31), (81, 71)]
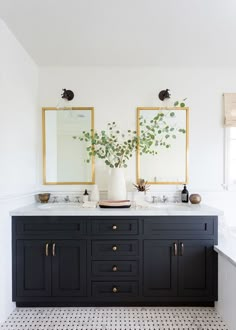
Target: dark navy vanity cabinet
[(111, 260)]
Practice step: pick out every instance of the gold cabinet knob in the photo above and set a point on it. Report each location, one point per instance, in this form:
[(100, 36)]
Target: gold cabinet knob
[(114, 248), (114, 227), (114, 268), (114, 290)]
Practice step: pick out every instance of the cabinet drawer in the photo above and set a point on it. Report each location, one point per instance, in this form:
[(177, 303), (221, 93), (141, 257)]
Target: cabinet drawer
[(115, 227), (114, 248), (114, 289), (49, 225), (179, 226), (114, 268)]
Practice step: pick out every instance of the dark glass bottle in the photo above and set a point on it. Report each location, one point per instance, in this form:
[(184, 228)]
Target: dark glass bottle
[(85, 196), (184, 195)]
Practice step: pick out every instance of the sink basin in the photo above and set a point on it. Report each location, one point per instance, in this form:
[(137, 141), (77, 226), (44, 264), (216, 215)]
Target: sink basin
[(169, 206), (54, 206)]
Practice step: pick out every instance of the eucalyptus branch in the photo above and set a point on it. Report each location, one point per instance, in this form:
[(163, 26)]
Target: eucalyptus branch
[(116, 147)]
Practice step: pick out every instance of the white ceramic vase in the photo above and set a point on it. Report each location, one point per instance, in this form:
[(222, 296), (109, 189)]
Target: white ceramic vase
[(94, 197), (116, 185)]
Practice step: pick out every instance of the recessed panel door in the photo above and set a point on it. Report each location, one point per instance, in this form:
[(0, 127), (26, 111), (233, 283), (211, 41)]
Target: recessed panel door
[(195, 268), (68, 268), (33, 268), (160, 268)]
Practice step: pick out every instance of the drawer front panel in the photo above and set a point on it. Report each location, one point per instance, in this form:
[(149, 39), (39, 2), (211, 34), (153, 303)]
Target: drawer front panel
[(50, 225), (114, 268), (114, 290), (115, 227), (114, 248), (179, 225)]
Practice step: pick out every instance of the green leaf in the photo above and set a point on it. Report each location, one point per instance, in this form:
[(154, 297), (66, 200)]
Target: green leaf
[(172, 114), (176, 103), (182, 105)]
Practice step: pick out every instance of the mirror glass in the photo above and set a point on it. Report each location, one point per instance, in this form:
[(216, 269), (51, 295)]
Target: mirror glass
[(169, 165), (64, 155)]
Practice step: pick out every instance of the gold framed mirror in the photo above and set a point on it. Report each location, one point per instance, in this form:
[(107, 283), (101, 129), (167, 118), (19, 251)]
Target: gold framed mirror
[(64, 155), (168, 164)]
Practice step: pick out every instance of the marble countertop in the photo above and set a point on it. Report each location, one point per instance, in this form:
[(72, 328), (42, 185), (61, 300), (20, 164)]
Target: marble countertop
[(73, 209), (227, 244)]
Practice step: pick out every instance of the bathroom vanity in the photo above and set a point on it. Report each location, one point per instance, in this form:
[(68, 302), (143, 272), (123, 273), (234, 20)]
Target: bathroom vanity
[(95, 257)]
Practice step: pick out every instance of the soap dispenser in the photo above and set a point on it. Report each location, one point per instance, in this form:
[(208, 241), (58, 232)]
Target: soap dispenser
[(85, 196), (94, 197), (184, 195)]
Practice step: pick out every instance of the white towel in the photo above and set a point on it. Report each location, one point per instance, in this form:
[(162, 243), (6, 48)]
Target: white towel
[(89, 204)]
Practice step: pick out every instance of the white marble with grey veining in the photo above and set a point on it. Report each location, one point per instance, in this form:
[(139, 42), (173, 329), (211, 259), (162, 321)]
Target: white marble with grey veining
[(227, 244), (74, 209)]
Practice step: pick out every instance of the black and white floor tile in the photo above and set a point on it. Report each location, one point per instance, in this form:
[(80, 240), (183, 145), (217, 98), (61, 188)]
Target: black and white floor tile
[(114, 318)]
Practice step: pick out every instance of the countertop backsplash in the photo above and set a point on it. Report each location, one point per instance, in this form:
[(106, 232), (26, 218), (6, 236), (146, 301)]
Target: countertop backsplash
[(76, 196)]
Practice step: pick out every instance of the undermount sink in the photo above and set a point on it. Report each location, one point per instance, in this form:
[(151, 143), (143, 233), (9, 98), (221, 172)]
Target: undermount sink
[(59, 206), (169, 206)]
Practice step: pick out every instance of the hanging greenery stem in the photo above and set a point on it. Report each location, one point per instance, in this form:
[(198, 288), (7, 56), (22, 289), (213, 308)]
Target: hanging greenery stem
[(116, 147)]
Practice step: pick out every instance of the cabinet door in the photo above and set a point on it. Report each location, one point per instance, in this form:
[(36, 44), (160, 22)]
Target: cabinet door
[(196, 268), (68, 268), (160, 268), (33, 268)]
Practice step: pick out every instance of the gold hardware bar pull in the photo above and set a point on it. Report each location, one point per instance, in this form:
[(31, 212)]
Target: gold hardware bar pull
[(46, 249), (175, 250), (181, 249), (53, 249)]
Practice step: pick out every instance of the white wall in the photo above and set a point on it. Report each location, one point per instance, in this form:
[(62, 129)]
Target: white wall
[(19, 146), (115, 93)]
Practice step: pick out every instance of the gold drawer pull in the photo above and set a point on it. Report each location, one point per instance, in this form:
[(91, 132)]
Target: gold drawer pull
[(114, 268), (181, 249), (53, 249), (114, 248), (114, 227), (114, 290), (175, 250), (46, 249)]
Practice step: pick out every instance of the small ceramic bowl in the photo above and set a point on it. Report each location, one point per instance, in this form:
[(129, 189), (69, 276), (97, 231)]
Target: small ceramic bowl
[(44, 198), (195, 198)]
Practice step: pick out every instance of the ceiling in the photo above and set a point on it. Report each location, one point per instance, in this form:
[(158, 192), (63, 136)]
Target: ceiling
[(125, 32)]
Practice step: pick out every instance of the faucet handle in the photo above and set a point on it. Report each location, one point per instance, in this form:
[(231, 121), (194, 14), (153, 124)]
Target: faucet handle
[(164, 198), (154, 199), (77, 199), (54, 199)]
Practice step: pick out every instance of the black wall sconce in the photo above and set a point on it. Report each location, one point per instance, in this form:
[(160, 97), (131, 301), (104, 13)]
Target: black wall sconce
[(67, 94), (164, 94)]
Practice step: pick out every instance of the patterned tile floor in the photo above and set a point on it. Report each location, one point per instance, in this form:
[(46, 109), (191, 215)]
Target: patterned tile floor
[(114, 318)]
